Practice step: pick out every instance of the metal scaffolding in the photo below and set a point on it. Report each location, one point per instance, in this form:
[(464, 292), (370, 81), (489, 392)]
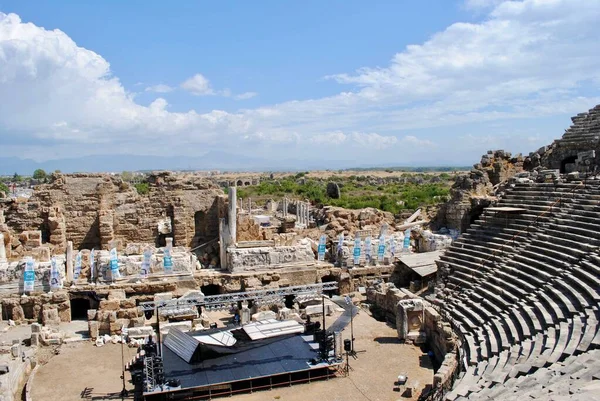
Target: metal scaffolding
[(232, 298)]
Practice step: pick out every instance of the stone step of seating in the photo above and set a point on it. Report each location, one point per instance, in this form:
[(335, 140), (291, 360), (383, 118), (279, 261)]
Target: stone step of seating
[(550, 341), (504, 297), (588, 217), (590, 330), (550, 238), (557, 312), (510, 328), (532, 259), (535, 326), (548, 253), (469, 378), (521, 280), (502, 334), (483, 240), (572, 288), (472, 350), (561, 233), (524, 366), (521, 321), (493, 341), (463, 316), (588, 283), (561, 343), (591, 266), (574, 338), (568, 253), (478, 265), (528, 274), (458, 264), (580, 225), (573, 227), (564, 297), (547, 315)]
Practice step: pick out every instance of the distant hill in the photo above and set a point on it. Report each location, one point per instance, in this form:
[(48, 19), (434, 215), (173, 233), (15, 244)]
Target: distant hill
[(213, 160)]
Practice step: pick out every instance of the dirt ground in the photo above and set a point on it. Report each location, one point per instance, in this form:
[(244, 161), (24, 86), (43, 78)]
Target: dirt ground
[(82, 371), (87, 372)]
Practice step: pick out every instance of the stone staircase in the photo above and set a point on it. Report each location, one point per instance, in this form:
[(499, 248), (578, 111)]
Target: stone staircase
[(524, 292)]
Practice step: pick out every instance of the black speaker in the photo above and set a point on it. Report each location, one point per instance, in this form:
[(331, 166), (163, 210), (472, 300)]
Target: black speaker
[(347, 345)]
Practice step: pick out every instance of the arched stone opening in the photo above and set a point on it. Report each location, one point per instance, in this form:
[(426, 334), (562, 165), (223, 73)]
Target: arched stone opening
[(80, 307), (247, 183), (211, 289), (328, 279), (239, 183), (568, 165), (289, 301)]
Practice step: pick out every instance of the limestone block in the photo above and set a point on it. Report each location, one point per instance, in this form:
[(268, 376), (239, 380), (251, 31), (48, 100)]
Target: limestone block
[(119, 323), (163, 296), (94, 329), (35, 339), (127, 303), (61, 296), (140, 332), (64, 312), (130, 313), (264, 316), (50, 317), (137, 322), (111, 305), (116, 295), (36, 328), (91, 314), (15, 350)]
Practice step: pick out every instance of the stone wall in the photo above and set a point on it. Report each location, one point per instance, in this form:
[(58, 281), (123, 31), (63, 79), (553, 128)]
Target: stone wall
[(474, 191), (100, 210)]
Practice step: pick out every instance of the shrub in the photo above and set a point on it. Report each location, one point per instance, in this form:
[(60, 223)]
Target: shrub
[(142, 188)]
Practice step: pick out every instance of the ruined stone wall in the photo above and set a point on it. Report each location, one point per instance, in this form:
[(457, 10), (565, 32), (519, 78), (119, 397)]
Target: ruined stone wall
[(95, 210), (474, 191)]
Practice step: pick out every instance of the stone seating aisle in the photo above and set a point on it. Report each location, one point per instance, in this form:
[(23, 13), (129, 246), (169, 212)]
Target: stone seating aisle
[(534, 305)]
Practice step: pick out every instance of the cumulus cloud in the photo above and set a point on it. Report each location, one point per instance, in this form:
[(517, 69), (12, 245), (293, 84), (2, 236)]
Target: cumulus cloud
[(160, 88), (524, 60), (245, 95), (198, 85)]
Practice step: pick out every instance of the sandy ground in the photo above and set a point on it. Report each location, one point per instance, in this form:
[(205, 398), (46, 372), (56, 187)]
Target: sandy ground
[(82, 371)]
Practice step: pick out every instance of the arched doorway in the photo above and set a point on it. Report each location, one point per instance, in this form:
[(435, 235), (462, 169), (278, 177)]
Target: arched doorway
[(79, 308), (568, 165), (211, 289)]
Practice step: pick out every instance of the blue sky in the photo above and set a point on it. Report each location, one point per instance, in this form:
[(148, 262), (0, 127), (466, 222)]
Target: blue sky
[(385, 82)]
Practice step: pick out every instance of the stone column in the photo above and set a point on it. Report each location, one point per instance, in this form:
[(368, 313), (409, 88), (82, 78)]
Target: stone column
[(2, 249), (299, 213), (232, 214), (69, 261), (245, 315), (169, 243), (250, 206), (284, 207), (307, 214), (223, 243)]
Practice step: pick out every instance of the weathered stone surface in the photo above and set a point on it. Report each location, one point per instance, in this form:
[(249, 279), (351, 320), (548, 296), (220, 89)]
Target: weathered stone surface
[(116, 295), (94, 329), (110, 305), (333, 190)]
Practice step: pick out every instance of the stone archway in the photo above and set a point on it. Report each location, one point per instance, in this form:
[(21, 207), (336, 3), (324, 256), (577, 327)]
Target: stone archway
[(328, 279), (211, 289), (567, 165)]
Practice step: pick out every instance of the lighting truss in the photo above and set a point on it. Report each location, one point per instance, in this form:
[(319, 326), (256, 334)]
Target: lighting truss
[(223, 301)]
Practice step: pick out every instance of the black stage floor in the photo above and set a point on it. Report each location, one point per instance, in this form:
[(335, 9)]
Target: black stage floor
[(291, 354)]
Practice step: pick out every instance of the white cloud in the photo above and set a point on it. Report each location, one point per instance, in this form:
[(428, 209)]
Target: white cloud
[(198, 85), (160, 88), (525, 60), (355, 139), (481, 4), (245, 95)]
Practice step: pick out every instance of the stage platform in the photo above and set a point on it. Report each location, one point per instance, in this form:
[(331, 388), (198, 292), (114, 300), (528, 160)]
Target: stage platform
[(288, 360)]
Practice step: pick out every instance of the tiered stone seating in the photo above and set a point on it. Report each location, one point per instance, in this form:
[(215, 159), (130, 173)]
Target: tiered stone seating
[(525, 292)]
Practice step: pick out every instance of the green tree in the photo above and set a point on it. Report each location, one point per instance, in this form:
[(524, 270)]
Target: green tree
[(127, 176), (17, 178), (39, 174), (4, 189)]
